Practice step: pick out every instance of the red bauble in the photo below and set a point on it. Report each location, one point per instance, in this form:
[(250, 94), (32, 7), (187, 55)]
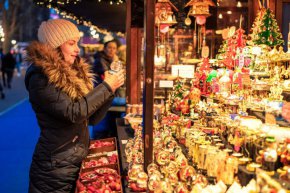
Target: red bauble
[(164, 28), (200, 20)]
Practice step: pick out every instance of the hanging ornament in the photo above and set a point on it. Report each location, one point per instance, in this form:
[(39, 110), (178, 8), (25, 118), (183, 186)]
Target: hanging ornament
[(200, 9), (164, 13), (200, 20), (187, 20), (164, 28)]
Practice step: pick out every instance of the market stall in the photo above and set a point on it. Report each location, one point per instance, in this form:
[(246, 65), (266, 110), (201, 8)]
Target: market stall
[(223, 142), (211, 116)]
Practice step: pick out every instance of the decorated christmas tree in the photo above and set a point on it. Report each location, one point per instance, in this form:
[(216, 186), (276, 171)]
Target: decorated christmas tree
[(232, 48), (268, 32), (256, 26)]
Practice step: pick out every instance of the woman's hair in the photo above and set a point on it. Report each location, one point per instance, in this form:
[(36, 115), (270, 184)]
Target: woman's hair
[(114, 40), (60, 52)]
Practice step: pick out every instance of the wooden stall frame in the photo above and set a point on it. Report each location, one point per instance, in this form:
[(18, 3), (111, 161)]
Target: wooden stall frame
[(149, 16)]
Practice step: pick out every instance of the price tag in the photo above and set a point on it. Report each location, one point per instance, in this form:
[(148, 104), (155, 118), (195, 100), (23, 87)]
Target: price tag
[(124, 141), (166, 84), (184, 71), (112, 153), (241, 61), (209, 100)]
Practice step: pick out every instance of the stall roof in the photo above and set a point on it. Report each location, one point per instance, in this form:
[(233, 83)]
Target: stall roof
[(103, 14)]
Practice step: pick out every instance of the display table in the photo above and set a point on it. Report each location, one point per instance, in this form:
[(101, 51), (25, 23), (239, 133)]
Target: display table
[(125, 132)]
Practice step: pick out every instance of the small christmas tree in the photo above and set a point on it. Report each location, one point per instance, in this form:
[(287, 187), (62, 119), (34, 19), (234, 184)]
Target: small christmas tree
[(269, 32), (232, 47), (256, 27)]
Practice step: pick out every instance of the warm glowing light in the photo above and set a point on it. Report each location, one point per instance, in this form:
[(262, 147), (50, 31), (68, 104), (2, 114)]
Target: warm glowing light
[(78, 20), (220, 16), (239, 4), (257, 50)]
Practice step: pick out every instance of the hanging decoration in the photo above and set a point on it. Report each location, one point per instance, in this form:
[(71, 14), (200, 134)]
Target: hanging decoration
[(164, 14), (164, 19), (200, 10)]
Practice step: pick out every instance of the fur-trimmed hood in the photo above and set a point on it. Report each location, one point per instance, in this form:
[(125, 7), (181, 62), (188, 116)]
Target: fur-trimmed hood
[(76, 80)]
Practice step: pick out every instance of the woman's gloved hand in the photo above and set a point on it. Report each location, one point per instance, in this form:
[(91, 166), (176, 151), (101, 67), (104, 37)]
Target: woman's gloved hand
[(115, 80)]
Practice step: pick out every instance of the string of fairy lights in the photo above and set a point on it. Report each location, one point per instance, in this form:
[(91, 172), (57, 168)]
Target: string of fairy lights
[(54, 4), (63, 2)]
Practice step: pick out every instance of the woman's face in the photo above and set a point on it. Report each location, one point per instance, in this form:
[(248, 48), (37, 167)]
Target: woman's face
[(70, 50), (111, 49)]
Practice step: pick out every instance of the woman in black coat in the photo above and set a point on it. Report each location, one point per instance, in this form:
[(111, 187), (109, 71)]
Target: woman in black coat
[(61, 93)]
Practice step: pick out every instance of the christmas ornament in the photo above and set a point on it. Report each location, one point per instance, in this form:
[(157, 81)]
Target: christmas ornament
[(266, 30), (164, 13)]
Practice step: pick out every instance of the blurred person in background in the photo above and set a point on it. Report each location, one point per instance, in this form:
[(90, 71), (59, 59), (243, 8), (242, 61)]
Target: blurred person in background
[(63, 97), (8, 66), (102, 67), (18, 59)]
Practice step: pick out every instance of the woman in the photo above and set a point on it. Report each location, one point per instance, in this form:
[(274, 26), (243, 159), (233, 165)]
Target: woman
[(61, 93), (104, 59)]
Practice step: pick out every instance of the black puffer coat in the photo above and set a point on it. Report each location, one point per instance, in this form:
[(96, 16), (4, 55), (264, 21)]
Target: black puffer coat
[(65, 102)]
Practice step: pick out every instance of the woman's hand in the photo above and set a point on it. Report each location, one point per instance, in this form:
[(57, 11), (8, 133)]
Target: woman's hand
[(114, 80)]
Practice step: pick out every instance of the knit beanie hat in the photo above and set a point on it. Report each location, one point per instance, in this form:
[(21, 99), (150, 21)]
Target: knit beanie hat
[(57, 31)]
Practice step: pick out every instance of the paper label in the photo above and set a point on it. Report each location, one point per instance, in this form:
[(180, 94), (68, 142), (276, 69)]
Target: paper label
[(184, 71), (166, 84)]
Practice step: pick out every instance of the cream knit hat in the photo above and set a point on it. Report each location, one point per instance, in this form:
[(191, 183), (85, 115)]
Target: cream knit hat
[(57, 31)]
